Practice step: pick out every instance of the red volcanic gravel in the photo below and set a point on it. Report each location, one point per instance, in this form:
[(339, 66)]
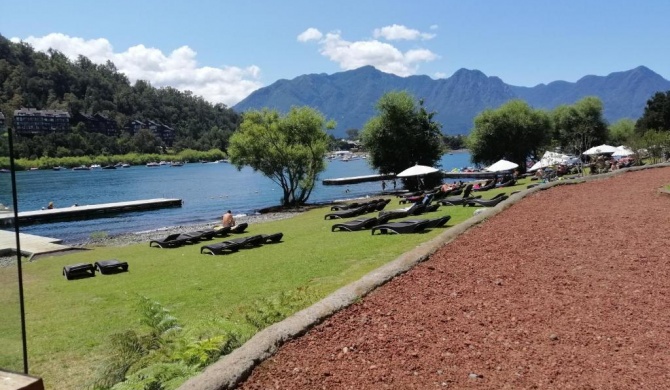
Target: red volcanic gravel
[(568, 289)]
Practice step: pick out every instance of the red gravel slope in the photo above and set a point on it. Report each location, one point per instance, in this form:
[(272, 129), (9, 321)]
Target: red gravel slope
[(568, 289)]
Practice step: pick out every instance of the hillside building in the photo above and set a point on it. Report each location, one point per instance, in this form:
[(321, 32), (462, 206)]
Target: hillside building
[(29, 121), (97, 123), (162, 131)]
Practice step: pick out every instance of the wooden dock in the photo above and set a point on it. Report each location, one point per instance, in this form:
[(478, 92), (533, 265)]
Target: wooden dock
[(31, 245), (88, 211), (356, 180)]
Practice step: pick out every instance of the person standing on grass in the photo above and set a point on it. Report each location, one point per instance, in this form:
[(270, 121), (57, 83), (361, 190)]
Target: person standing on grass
[(228, 220)]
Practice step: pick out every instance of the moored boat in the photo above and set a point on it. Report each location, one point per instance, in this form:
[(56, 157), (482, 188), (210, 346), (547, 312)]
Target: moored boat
[(109, 167), (125, 165), (81, 168), (56, 168), (176, 164), (153, 164), (94, 166)]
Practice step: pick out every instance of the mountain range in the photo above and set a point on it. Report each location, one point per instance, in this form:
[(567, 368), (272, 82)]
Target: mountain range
[(349, 97)]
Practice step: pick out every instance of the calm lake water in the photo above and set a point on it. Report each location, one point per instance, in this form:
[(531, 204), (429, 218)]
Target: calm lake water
[(207, 190)]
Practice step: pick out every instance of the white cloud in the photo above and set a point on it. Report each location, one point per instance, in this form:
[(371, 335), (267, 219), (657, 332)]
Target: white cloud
[(381, 55), (398, 32), (433, 27), (311, 34), (179, 69), (440, 75)]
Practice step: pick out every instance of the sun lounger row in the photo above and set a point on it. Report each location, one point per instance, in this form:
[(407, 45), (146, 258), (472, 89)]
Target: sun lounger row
[(235, 244), (409, 226), (360, 210), (178, 239), (375, 203)]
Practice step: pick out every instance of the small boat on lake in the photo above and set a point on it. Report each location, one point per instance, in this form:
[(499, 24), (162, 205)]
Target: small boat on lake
[(125, 165), (153, 164), (94, 166), (176, 164), (56, 168), (109, 167), (163, 163), (81, 168), (5, 170)]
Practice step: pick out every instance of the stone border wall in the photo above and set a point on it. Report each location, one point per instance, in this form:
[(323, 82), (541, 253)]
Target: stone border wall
[(235, 367)]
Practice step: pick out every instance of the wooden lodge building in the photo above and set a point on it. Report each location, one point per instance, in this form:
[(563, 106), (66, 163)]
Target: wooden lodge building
[(30, 121), (97, 123)]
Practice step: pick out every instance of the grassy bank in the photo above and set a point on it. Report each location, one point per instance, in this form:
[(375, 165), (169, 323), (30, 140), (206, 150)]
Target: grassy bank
[(69, 321)]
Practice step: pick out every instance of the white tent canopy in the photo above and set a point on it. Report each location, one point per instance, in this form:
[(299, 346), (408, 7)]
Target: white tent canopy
[(502, 165), (553, 158), (600, 149), (417, 170), (622, 151)]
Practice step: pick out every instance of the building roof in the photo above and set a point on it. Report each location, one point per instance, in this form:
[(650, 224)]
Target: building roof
[(34, 112)]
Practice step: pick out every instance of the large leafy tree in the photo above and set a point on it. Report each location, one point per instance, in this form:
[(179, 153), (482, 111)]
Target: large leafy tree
[(513, 132), (579, 126), (621, 131), (402, 134), (656, 114), (288, 149)]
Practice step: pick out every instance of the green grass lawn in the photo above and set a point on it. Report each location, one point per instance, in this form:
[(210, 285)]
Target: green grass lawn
[(68, 322)]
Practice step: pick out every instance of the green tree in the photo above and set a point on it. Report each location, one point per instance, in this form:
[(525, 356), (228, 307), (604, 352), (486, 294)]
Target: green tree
[(579, 126), (402, 134), (513, 131), (288, 149), (656, 114), (146, 142), (621, 131)]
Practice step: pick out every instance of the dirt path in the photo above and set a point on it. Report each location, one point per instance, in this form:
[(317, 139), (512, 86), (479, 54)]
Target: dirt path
[(570, 288)]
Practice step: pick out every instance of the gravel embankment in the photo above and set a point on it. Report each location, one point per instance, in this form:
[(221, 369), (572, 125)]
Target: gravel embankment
[(567, 289)]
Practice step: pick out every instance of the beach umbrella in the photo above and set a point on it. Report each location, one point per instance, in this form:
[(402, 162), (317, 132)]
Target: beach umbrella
[(502, 165), (417, 170), (600, 149), (622, 151)]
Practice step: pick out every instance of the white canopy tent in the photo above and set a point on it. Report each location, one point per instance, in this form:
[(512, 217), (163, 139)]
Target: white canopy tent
[(501, 166), (622, 151), (600, 149), (552, 158), (417, 170)]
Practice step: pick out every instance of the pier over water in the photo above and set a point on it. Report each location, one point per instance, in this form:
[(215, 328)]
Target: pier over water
[(88, 211)]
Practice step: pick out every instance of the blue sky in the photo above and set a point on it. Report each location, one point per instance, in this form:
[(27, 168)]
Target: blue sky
[(223, 50)]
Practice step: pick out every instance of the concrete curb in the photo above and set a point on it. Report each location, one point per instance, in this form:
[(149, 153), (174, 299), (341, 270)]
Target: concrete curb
[(235, 367)]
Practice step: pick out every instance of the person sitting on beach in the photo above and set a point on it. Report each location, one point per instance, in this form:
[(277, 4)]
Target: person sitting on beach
[(50, 206), (228, 220)]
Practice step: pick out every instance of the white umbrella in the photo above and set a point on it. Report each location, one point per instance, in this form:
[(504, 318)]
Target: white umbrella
[(417, 170), (502, 165), (600, 149), (622, 151)]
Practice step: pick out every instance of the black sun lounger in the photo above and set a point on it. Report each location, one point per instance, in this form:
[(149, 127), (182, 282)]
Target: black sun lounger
[(221, 231), (173, 241), (78, 271), (486, 203), (220, 248), (346, 213), (401, 227), (112, 266), (272, 238), (239, 228), (233, 245), (432, 223), (356, 224)]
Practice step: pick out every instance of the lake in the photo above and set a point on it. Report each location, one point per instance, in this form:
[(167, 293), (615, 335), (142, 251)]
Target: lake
[(207, 190)]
